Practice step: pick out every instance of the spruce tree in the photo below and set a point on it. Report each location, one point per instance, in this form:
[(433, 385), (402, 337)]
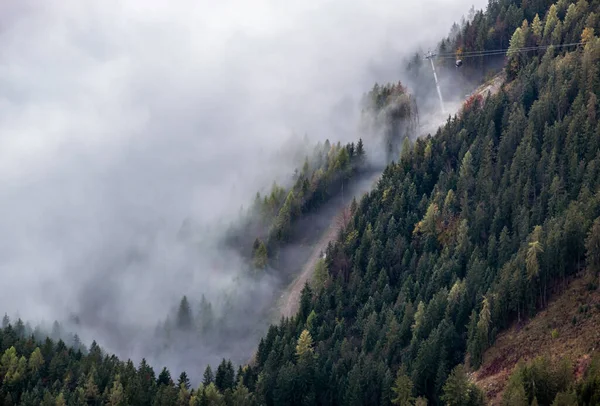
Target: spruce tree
[(208, 376), (184, 319)]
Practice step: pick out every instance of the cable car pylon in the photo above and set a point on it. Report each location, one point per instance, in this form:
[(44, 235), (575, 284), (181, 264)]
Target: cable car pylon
[(430, 56)]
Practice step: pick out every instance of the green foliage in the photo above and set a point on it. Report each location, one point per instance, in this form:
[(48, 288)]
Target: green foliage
[(225, 376), (592, 246), (212, 396), (322, 177), (514, 393), (458, 391), (517, 41), (588, 389), (403, 390), (466, 233), (116, 395), (208, 376), (241, 395), (541, 380), (260, 255), (390, 110), (565, 399), (320, 275)]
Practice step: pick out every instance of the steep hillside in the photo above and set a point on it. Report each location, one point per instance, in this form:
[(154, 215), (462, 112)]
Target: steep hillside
[(472, 229), (567, 328), (284, 216), (291, 298)]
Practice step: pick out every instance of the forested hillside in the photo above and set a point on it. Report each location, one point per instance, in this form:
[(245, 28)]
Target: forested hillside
[(565, 333), (269, 220), (389, 115), (472, 229)]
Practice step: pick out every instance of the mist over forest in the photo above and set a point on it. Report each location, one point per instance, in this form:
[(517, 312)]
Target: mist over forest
[(121, 121)]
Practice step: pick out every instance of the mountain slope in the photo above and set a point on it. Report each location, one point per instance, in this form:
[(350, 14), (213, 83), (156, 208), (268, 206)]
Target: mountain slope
[(461, 237), (291, 298), (567, 328)]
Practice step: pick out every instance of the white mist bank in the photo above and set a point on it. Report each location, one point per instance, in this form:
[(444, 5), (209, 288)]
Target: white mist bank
[(119, 119)]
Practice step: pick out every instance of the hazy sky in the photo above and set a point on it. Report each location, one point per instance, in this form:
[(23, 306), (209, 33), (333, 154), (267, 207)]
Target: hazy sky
[(120, 118)]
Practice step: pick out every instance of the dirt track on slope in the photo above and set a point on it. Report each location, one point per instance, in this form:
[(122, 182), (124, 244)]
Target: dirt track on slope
[(491, 87), (292, 301)]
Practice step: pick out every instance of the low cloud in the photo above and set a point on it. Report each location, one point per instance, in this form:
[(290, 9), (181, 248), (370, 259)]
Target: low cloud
[(121, 119)]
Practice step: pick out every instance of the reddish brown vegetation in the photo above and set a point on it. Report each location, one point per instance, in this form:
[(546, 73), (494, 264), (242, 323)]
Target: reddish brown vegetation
[(574, 317), (473, 102)]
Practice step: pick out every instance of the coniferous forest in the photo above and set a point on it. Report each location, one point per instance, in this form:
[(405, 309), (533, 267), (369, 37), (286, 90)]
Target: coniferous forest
[(470, 230)]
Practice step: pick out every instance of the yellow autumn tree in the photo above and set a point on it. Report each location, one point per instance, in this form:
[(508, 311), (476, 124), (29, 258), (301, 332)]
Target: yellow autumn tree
[(537, 28), (36, 361), (587, 35), (304, 346), (551, 21), (535, 248)]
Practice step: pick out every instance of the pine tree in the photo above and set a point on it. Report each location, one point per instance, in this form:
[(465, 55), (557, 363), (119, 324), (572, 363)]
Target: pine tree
[(517, 42), (213, 396), (304, 346), (184, 315), (164, 378), (551, 22), (360, 149), (485, 319), (403, 390), (305, 302), (183, 396), (261, 258), (532, 262), (537, 28), (592, 246), (320, 274), (77, 345), (459, 391), (587, 35), (91, 391), (60, 400), (241, 395), (117, 397), (208, 376), (514, 394), (36, 361), (225, 376), (183, 380)]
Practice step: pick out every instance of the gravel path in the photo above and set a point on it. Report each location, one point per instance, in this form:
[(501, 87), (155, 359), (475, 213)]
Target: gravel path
[(292, 301)]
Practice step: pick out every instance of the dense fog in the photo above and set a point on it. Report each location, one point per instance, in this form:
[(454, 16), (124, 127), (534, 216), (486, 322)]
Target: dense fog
[(120, 120)]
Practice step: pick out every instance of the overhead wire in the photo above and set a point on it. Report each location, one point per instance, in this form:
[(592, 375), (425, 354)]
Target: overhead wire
[(478, 54), (494, 52)]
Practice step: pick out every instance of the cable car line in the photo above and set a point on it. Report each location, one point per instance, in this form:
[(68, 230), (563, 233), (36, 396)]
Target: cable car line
[(474, 54), (477, 54)]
